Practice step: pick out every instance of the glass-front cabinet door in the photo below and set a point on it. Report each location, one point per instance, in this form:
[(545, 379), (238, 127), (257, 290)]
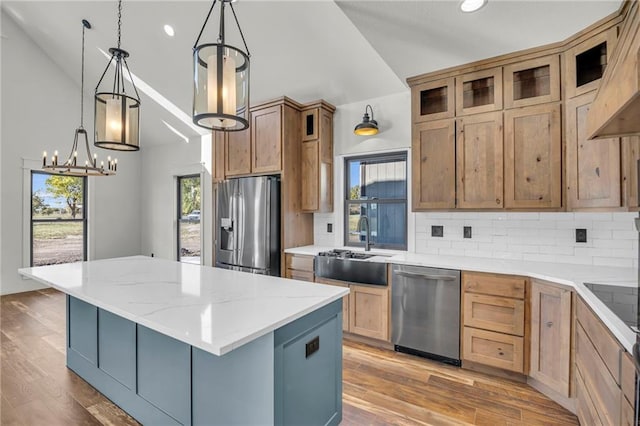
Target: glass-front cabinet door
[(479, 91), (532, 82), (433, 100)]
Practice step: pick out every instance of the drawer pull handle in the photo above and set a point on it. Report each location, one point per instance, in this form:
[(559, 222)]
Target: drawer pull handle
[(500, 353), (549, 323)]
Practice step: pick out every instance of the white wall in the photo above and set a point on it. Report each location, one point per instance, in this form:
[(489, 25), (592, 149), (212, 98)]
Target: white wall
[(611, 237), (40, 111), (160, 166)]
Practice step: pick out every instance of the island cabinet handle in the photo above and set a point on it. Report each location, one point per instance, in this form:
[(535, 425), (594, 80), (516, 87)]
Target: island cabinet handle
[(549, 323), (312, 346)]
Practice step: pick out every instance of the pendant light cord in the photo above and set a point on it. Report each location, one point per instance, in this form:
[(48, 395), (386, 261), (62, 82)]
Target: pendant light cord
[(204, 25), (82, 81), (221, 35), (119, 20), (240, 29)]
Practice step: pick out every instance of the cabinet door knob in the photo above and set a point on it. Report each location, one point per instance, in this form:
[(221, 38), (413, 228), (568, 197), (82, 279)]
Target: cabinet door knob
[(497, 200), (549, 323)]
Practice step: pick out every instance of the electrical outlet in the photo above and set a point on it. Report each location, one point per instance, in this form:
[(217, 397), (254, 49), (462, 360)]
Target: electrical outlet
[(581, 235), (466, 232), (437, 231), (329, 228)]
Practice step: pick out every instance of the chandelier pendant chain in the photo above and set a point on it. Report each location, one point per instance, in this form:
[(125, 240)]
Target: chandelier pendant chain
[(82, 83), (119, 21)]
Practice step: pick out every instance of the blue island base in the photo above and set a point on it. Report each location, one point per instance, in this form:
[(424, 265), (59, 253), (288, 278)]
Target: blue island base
[(292, 376)]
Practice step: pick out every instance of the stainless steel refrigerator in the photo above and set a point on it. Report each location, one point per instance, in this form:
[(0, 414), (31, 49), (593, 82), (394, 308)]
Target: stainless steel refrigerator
[(248, 225)]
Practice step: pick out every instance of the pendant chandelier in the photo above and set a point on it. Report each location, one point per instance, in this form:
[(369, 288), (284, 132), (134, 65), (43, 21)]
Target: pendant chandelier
[(117, 114), (221, 79), (70, 167)]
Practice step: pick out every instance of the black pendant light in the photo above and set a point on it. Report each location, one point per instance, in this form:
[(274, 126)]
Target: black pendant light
[(368, 127), (117, 114), (221, 79), (73, 167)]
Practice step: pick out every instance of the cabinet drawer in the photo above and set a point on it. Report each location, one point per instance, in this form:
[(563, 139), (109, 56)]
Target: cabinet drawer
[(628, 377), (294, 274), (603, 389), (494, 313), (605, 344), (493, 284), (494, 349), (301, 263), (585, 409)]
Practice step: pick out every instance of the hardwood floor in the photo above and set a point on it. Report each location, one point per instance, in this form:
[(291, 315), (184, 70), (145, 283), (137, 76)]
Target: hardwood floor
[(380, 387)]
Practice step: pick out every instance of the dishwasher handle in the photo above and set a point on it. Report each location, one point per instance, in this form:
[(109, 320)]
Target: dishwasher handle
[(426, 276)]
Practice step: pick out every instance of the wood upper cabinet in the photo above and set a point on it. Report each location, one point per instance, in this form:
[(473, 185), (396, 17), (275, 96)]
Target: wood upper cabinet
[(531, 82), (584, 64), (266, 140), (630, 154), (317, 158), (218, 154), (433, 157), (479, 148), (369, 311), (533, 152), (433, 100), (551, 315), (479, 91), (237, 153), (592, 166)]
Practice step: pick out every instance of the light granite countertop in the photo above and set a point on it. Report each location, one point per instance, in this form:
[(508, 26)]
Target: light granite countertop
[(216, 310)]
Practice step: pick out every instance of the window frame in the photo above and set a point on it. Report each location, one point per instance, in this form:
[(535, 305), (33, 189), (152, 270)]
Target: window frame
[(84, 219), (178, 181), (389, 156)]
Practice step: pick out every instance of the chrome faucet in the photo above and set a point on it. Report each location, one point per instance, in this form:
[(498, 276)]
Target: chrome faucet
[(367, 235)]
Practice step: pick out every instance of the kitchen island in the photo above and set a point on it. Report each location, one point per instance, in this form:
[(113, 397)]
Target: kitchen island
[(175, 343)]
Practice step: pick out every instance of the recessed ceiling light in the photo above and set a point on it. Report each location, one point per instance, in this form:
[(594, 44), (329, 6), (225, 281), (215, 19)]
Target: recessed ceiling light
[(170, 32), (472, 5)]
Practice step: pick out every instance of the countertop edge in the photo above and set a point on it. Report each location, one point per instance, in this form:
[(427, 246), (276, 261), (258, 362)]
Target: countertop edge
[(217, 350)]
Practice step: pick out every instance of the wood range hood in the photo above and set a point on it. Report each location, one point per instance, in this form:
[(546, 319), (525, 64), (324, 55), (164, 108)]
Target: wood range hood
[(616, 108)]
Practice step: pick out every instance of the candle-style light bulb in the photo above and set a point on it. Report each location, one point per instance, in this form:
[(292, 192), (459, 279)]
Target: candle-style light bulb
[(115, 165), (44, 158), (55, 158), (102, 164), (75, 158), (95, 158)]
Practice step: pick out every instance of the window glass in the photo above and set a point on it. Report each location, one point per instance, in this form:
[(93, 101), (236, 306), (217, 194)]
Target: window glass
[(189, 229), (58, 219), (376, 187)]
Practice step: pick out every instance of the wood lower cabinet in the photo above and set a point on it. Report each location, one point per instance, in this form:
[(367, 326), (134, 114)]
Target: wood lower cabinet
[(493, 317), (345, 301), (606, 373), (533, 157), (433, 165), (299, 267), (266, 140), (479, 148), (493, 349), (550, 359), (369, 311), (593, 166)]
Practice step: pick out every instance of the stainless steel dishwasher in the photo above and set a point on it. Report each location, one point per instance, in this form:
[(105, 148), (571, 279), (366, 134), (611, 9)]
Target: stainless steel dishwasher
[(425, 312)]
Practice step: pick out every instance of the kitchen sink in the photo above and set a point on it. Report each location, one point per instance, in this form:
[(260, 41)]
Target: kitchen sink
[(349, 266)]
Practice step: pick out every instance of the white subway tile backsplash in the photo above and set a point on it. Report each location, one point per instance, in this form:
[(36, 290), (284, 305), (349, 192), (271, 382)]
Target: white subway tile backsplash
[(549, 237)]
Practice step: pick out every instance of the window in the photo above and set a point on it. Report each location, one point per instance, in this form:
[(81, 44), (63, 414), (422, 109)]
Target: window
[(189, 219), (58, 219), (376, 187)]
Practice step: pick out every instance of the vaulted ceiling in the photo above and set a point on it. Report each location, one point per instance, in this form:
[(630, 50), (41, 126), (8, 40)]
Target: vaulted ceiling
[(344, 51)]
